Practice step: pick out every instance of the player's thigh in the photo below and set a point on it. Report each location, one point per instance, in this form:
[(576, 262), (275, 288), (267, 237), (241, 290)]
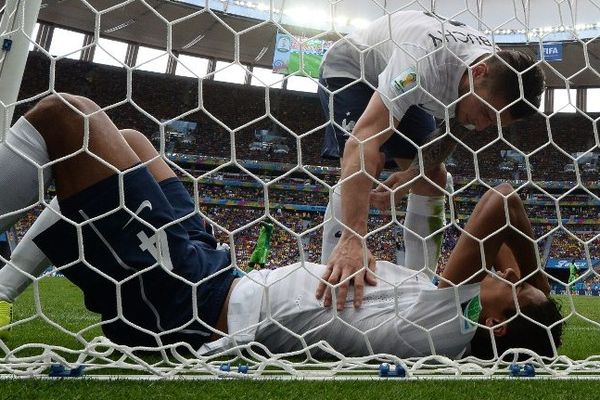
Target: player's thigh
[(349, 100), (185, 212), (70, 124), (148, 154), (413, 130), (177, 195)]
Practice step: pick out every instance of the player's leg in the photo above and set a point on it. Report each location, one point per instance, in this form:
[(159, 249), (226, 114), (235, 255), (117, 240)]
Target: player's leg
[(28, 261), (119, 252), (22, 153), (75, 128), (177, 195), (332, 229), (425, 205), (52, 130), (147, 154), (348, 105), (138, 235), (29, 145), (425, 217)]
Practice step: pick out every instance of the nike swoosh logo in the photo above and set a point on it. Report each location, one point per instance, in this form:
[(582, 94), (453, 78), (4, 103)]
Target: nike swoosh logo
[(143, 204)]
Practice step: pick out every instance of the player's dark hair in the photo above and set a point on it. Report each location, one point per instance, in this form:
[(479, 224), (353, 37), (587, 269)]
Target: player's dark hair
[(523, 333), (505, 81)]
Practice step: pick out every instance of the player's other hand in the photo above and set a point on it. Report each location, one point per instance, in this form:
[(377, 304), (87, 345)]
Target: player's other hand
[(381, 196), (346, 259)]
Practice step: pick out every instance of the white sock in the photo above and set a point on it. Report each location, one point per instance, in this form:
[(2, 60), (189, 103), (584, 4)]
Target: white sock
[(27, 261), (449, 183), (332, 229), (424, 215), (22, 153)]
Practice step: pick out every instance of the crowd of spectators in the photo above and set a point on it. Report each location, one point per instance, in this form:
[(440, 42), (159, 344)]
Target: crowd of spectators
[(227, 116), (292, 231), (568, 244), (226, 113), (298, 231)]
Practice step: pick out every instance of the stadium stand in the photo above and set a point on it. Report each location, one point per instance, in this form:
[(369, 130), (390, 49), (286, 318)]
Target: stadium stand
[(301, 207)]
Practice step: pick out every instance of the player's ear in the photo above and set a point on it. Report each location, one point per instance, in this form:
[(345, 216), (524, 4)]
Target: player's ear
[(480, 70), (492, 322)]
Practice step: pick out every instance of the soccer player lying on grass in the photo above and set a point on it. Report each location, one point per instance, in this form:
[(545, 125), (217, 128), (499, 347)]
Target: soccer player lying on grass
[(145, 263)]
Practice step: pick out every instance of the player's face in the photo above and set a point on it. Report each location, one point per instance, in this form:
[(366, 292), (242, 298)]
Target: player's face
[(497, 294), (474, 113), (478, 110)]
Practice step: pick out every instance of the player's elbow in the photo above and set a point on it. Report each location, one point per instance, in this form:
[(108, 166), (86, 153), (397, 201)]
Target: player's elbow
[(505, 189), (513, 201)]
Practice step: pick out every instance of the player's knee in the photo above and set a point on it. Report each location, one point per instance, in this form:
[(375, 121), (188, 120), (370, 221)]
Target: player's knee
[(505, 189), (140, 144), (56, 109), (135, 138), (46, 109), (59, 106), (512, 199), (501, 192)]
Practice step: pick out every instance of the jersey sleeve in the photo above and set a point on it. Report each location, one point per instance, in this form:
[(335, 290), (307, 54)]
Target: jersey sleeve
[(406, 80), (449, 315)]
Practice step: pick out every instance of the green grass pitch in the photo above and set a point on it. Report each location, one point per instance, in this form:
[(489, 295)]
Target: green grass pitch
[(62, 304), (311, 64)]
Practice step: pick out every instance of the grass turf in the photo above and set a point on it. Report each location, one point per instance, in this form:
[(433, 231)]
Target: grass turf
[(311, 64), (266, 390), (61, 303)]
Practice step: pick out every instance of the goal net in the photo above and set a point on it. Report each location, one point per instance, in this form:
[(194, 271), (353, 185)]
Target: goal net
[(197, 79)]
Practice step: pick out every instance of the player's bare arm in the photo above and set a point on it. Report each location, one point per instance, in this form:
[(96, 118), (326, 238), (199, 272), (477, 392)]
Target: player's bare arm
[(521, 244), (488, 225), (350, 258)]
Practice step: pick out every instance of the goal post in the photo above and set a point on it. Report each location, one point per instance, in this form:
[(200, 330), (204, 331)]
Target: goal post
[(74, 345), (16, 27)]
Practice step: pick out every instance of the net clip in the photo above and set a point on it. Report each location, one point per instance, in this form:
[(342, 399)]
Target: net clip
[(7, 44), (59, 371), (388, 371), (526, 370), (226, 367)]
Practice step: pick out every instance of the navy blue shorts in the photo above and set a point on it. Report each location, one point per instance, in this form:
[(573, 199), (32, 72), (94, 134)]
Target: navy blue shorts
[(143, 280), (348, 106)]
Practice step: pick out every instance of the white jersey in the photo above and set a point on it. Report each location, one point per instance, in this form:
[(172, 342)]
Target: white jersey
[(422, 64), (405, 314)]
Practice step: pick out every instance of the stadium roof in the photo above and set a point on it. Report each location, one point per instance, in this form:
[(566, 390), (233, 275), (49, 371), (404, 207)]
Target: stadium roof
[(209, 32)]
